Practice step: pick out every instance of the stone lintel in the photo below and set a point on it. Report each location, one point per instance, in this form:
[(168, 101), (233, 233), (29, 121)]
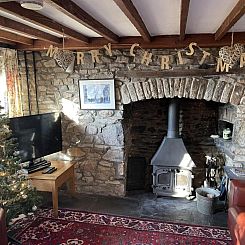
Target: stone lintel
[(210, 90), (166, 88), (160, 89), (177, 86), (126, 99), (237, 94), (187, 89), (218, 90), (202, 89), (182, 87), (194, 88), (153, 86), (139, 90), (147, 90), (225, 97), (171, 87), (132, 92)]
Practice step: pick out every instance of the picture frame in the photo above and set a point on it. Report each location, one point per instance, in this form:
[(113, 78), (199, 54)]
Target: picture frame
[(97, 94)]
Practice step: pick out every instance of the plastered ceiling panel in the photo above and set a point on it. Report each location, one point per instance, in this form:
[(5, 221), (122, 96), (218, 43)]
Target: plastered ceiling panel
[(205, 16)]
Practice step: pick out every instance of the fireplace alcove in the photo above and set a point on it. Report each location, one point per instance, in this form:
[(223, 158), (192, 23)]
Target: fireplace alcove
[(145, 125)]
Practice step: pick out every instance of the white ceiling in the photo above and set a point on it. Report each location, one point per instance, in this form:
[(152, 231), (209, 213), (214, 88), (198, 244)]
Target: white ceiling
[(61, 18), (161, 17), (205, 16), (240, 25), (109, 14)]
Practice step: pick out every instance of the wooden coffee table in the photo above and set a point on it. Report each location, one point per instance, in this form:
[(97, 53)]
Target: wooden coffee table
[(51, 182)]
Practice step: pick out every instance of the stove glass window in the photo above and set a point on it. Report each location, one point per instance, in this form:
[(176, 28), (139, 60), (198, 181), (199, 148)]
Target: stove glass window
[(164, 179), (181, 180)]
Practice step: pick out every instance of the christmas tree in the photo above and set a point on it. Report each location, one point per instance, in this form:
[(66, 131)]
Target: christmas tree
[(16, 194)]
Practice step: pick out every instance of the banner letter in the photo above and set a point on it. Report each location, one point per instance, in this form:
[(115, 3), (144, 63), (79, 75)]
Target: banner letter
[(181, 62), (132, 49), (222, 66), (108, 49), (146, 58), (191, 49), (242, 60), (95, 55), (52, 51), (165, 62), (80, 56), (205, 54)]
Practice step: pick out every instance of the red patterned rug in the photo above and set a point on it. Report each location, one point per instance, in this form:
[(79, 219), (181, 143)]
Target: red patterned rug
[(76, 227)]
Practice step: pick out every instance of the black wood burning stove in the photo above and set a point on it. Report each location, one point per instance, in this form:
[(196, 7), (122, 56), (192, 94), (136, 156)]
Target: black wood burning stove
[(172, 164)]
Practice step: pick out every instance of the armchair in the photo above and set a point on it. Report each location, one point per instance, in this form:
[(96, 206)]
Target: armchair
[(236, 211)]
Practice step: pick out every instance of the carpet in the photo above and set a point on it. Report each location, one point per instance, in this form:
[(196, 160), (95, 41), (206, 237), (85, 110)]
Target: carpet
[(76, 227)]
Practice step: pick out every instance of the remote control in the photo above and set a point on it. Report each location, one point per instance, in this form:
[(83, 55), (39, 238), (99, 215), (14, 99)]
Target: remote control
[(47, 170), (51, 171)]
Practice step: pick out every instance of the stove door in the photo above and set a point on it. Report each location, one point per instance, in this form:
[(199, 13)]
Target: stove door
[(183, 182), (163, 181)]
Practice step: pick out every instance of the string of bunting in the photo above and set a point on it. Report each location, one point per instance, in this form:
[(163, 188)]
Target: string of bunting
[(229, 56)]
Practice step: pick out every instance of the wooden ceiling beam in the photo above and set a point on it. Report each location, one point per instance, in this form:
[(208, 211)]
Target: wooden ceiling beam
[(171, 42), (131, 12), (183, 17), (236, 13), (6, 43), (15, 38), (72, 10), (27, 30), (41, 20)]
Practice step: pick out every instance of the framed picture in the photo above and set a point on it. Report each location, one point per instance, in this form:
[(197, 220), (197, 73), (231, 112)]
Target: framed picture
[(97, 94)]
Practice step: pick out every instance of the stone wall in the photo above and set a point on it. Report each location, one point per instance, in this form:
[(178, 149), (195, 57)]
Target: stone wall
[(95, 139)]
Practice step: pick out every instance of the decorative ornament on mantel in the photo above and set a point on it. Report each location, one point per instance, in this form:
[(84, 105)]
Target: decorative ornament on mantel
[(65, 58), (231, 54)]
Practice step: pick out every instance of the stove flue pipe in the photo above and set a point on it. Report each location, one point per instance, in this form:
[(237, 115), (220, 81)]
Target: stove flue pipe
[(173, 119)]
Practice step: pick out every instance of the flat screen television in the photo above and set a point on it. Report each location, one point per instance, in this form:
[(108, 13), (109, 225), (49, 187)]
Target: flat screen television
[(37, 135)]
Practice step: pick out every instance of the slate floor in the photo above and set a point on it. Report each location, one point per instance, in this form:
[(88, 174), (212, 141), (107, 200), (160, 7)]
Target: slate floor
[(144, 205)]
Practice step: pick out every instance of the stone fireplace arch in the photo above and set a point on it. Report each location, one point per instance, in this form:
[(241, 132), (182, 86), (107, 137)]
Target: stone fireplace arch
[(227, 90), (221, 89)]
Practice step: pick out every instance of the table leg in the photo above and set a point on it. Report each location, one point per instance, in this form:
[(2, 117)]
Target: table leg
[(71, 183), (55, 200)]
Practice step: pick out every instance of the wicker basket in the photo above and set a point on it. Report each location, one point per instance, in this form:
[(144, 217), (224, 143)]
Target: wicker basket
[(206, 200)]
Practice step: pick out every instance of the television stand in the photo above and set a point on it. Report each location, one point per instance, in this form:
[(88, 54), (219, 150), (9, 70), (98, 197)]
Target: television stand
[(52, 182)]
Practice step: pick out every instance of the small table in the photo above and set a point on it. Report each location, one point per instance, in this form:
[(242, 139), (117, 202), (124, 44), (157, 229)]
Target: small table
[(51, 182)]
